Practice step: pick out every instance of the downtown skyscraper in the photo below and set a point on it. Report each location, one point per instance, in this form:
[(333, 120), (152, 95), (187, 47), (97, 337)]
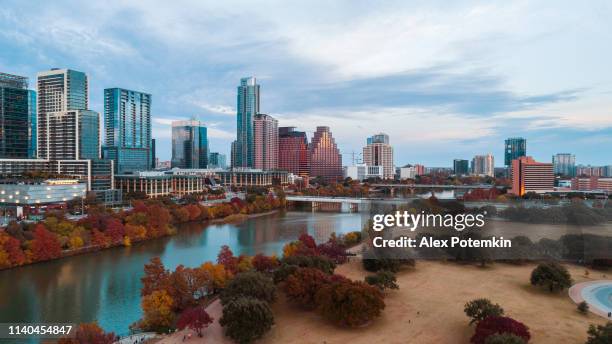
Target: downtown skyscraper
[(189, 144), (378, 152), (59, 90), (564, 164), (14, 116), (266, 142), (325, 157), (514, 148), (127, 128), (243, 149), (293, 155)]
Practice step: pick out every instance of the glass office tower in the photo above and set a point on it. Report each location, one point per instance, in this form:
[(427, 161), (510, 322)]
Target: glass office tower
[(127, 126), (74, 135), (564, 164), (32, 129), (189, 144), (13, 116), (58, 90), (514, 148), (243, 151)]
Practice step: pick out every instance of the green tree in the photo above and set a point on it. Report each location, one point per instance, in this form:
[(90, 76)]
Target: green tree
[(246, 319), (480, 309), (552, 276), (249, 284)]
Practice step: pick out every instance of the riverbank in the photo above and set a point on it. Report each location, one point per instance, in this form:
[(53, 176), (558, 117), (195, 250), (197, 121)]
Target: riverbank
[(57, 237)]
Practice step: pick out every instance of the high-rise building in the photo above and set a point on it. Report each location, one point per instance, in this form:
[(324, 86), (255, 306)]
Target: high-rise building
[(379, 152), (531, 176), (325, 158), (189, 144), (514, 148), (217, 160), (73, 135), (266, 142), (59, 90), (32, 125), (153, 156), (14, 116), (564, 164), (247, 108), (293, 155), (460, 167), (483, 165), (127, 127)]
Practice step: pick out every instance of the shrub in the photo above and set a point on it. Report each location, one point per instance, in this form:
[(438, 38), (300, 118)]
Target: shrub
[(552, 276), (322, 263), (249, 284), (504, 338), (352, 238), (246, 319), (600, 334), (383, 280), (499, 325), (350, 303), (583, 307), (479, 309), (376, 264), (302, 286)]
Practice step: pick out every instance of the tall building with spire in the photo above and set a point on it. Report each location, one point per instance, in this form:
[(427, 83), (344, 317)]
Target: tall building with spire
[(243, 152), (266, 142), (325, 158), (378, 152), (59, 90)]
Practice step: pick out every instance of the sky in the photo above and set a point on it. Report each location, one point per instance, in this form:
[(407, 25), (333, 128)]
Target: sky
[(444, 80)]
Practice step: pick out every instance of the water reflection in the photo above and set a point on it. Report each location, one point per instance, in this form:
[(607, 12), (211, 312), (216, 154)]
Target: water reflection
[(105, 286)]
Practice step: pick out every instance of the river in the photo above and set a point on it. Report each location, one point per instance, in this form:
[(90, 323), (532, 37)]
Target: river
[(105, 286)]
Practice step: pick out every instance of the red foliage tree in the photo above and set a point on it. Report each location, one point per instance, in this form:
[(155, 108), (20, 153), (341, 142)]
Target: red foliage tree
[(99, 239), (227, 258), (114, 230), (194, 318), (302, 286), (90, 333), (15, 254), (263, 263), (334, 250), (45, 244), (194, 212), (156, 277), (350, 303), (493, 325)]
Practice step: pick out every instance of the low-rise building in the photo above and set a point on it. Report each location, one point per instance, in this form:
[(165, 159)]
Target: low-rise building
[(362, 171), (23, 192)]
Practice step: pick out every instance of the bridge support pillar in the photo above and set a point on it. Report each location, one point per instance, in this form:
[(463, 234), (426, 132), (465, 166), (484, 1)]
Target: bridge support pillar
[(392, 192)]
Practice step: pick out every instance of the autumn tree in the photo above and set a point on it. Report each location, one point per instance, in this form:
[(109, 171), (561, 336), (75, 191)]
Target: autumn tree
[(227, 259), (90, 333), (383, 280), (302, 286), (215, 274), (496, 325), (156, 276), (264, 263), (12, 247), (45, 245), (195, 318), (350, 303), (157, 308)]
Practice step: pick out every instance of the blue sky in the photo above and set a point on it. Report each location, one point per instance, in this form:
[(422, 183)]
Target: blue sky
[(443, 80)]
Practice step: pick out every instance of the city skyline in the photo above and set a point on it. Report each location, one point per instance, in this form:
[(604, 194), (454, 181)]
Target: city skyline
[(510, 85)]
